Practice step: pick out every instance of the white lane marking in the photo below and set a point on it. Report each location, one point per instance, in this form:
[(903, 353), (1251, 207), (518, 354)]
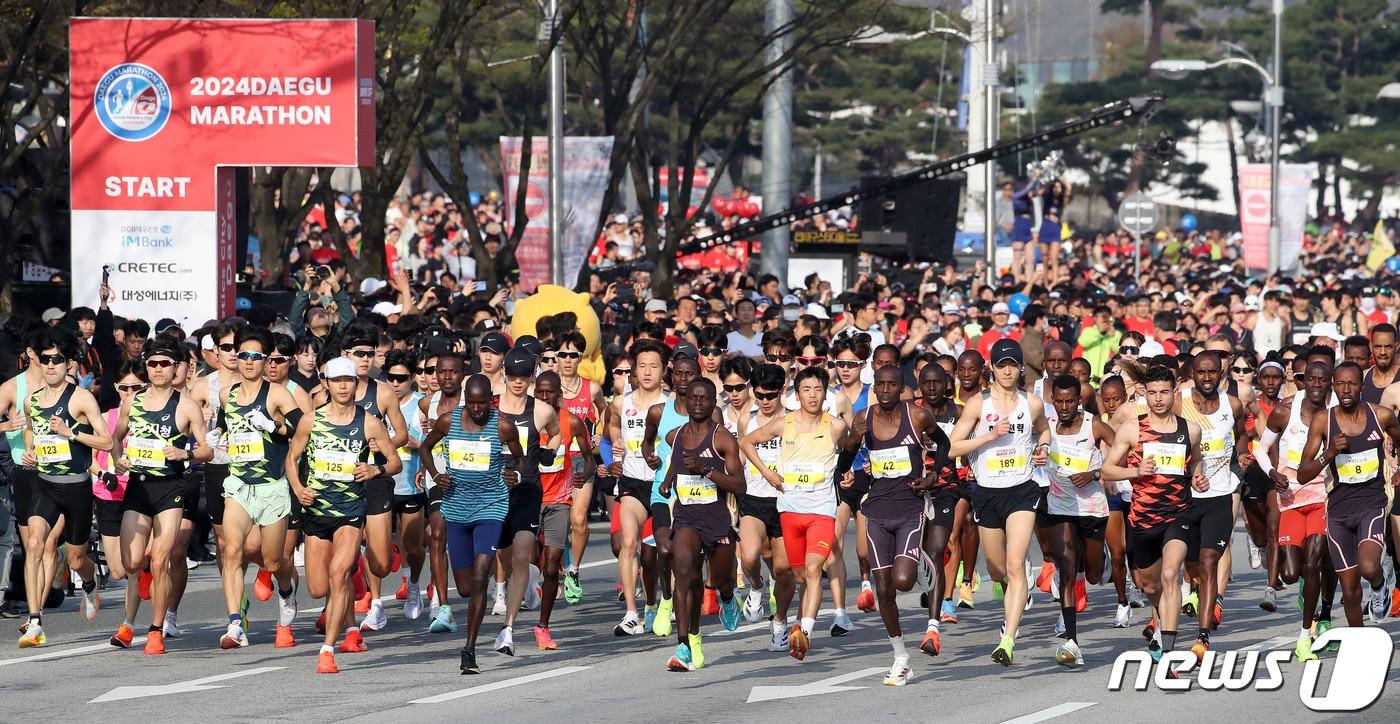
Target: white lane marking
[(595, 564), (1271, 644), (183, 687), (823, 686), (1054, 711), (451, 695), (139, 640)]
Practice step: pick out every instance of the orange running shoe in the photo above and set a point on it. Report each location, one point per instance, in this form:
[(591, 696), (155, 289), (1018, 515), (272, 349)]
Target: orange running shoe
[(122, 638), (866, 600), (798, 643), (262, 585), (325, 663), (155, 642), (143, 584), (1047, 575), (354, 643), (362, 603), (402, 593), (321, 622), (1395, 603), (1081, 595), (931, 644), (544, 640), (285, 639), (711, 605), (397, 560)]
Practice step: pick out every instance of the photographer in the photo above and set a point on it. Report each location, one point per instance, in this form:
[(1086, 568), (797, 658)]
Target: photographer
[(321, 292)]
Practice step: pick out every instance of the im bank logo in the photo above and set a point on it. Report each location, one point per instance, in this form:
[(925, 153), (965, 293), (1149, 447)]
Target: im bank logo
[(132, 102)]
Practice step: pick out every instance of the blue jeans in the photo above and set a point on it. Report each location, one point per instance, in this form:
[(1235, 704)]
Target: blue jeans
[(9, 540)]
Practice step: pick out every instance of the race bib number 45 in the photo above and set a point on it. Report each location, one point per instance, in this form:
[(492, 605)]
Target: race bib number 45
[(469, 455)]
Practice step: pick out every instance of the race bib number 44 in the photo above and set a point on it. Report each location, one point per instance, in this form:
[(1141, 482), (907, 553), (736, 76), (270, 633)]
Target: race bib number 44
[(695, 490)]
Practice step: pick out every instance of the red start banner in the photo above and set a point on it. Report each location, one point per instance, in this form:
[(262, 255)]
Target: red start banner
[(162, 109)]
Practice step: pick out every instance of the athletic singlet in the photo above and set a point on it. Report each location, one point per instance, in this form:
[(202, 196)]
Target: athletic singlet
[(701, 504), (894, 463), (1005, 462), (731, 417), (529, 436), (807, 462), (1358, 473), (254, 456), (331, 455), (16, 438), (1159, 498), (1217, 444), (1038, 390), (60, 460), (1069, 454), (581, 404), (149, 432), (370, 404), (403, 479), (1370, 392), (634, 427), (671, 419), (103, 460), (475, 463), (952, 471), (557, 478), (768, 453), (221, 451), (1290, 452), (434, 412)]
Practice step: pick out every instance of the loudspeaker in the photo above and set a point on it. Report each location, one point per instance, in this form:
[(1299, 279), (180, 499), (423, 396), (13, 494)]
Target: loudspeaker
[(917, 222)]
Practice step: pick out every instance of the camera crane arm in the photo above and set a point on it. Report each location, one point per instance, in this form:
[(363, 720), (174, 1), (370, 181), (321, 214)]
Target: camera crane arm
[(1142, 108)]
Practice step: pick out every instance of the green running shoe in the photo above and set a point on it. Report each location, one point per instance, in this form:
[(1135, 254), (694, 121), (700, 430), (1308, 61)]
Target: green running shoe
[(573, 590), (1002, 653), (1189, 604), (661, 625), (1323, 626), (697, 657), (1304, 650), (999, 590)]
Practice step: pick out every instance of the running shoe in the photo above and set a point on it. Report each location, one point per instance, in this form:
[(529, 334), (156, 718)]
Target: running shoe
[(1123, 617), (573, 588), (1218, 612), (1270, 601), (262, 585), (543, 640), (33, 636), (499, 607), (321, 622), (143, 583), (974, 578), (325, 663), (1323, 626), (866, 600), (1060, 627), (1055, 586), (1136, 598), (658, 617), (998, 590), (92, 603), (396, 561), (243, 608), (1256, 557), (402, 593), (284, 638), (468, 665), (122, 638), (1003, 652), (753, 604), (443, 622), (354, 643), (841, 624), (1081, 594), (923, 600), (931, 643), (233, 638), (778, 640), (1156, 655), (533, 593), (630, 626), (376, 619), (505, 641), (620, 595), (1303, 651), (772, 601), (1149, 631), (1069, 655), (710, 606), (1189, 604), (965, 595), (1394, 603), (1046, 581), (899, 671), (170, 629), (287, 607), (1200, 647), (155, 643), (798, 643), (1380, 603), (413, 603), (729, 612), (948, 613), (680, 660), (362, 603), (697, 655)]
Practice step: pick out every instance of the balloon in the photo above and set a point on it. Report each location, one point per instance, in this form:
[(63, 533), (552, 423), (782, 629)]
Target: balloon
[(1018, 302), (474, 199), (1188, 222), (1393, 265)]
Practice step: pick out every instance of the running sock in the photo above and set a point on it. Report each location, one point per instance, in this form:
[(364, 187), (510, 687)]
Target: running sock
[(1304, 632), (327, 649), (153, 629), (37, 620), (285, 592), (932, 625), (573, 568), (897, 643), (808, 624), (838, 612), (1071, 622), (235, 619), (90, 586), (865, 585), (1324, 611), (778, 626), (726, 598), (1168, 640)]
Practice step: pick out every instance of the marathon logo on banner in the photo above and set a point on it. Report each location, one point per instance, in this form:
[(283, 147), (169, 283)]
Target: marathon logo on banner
[(38, 272)]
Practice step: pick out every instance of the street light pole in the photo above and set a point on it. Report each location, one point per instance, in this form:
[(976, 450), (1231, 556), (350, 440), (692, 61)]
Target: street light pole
[(989, 119), (777, 138), (556, 149), (1275, 100)]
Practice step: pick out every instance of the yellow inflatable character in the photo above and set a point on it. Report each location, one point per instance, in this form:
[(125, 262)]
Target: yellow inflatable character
[(549, 300)]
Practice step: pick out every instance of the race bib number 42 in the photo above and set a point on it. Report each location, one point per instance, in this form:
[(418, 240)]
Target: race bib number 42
[(891, 462)]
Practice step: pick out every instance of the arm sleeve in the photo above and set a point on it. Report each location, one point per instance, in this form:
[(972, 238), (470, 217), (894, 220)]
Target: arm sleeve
[(1266, 443)]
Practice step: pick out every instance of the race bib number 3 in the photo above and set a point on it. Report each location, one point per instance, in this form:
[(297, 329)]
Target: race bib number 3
[(804, 477), (334, 465), (245, 447), (1357, 468), (1070, 459), (695, 490), (891, 462), (1167, 458), (52, 449), (145, 452), (469, 455)]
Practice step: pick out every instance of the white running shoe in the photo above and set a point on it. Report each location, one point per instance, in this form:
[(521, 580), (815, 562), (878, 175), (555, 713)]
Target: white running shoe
[(1256, 558), (899, 672), (413, 604), (499, 607), (1069, 655), (92, 603), (299, 556), (842, 624), (1380, 603), (505, 641), (1123, 617), (755, 603), (287, 607), (234, 638), (779, 641), (532, 590), (170, 628), (1055, 586), (630, 626), (1270, 601), (1136, 598), (376, 619)]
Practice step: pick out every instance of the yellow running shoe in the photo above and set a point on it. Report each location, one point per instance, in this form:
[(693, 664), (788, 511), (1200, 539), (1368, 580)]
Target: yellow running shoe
[(697, 658), (661, 625)]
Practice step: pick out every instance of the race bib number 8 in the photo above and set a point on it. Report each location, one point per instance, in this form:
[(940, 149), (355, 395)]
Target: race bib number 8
[(695, 490), (804, 477), (891, 462), (1357, 468), (145, 452), (469, 455), (334, 465), (1167, 458)]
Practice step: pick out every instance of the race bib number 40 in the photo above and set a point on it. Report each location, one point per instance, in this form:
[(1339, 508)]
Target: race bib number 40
[(804, 477)]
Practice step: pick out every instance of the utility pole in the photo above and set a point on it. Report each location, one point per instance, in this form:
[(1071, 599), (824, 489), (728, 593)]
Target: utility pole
[(777, 138), (1275, 98), (982, 124), (556, 146)]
